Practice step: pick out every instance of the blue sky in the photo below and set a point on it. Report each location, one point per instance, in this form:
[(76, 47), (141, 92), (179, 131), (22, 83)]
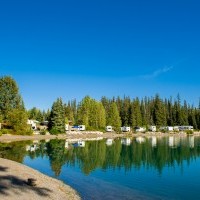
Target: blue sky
[(69, 49)]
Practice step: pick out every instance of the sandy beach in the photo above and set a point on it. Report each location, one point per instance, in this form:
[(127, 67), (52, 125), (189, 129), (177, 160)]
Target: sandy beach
[(13, 184), (87, 136)]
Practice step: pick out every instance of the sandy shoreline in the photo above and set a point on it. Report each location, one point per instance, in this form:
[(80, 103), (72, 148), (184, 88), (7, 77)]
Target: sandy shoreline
[(13, 184), (85, 136)]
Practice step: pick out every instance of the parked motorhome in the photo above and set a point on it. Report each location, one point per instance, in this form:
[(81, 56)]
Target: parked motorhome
[(81, 127), (32, 123), (176, 128), (152, 128), (184, 128), (166, 128), (109, 128), (125, 129), (78, 128)]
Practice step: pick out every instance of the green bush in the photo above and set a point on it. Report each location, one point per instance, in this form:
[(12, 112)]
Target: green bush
[(189, 132), (6, 131), (43, 132), (54, 131)]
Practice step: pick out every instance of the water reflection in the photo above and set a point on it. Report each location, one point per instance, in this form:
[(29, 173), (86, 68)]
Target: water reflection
[(105, 154)]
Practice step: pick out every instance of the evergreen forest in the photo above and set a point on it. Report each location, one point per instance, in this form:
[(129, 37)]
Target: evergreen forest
[(94, 114)]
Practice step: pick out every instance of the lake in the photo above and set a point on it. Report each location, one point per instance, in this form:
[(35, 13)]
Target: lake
[(124, 168)]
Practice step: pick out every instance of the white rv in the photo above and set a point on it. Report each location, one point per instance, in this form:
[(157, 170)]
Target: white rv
[(125, 129), (81, 127), (184, 128), (152, 128), (32, 123), (109, 128)]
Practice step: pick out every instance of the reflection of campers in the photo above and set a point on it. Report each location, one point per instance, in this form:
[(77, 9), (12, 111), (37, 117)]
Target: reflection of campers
[(126, 141), (125, 129), (109, 128), (139, 129), (153, 141), (109, 142), (140, 139), (191, 142), (80, 143)]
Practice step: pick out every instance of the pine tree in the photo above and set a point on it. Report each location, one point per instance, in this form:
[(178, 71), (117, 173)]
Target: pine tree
[(57, 118), (114, 117), (159, 112)]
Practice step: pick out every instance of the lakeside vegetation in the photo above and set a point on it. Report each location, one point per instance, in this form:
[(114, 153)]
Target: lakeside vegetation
[(95, 115)]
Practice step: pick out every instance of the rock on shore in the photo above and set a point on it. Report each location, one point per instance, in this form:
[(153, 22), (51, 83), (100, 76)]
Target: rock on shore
[(13, 184)]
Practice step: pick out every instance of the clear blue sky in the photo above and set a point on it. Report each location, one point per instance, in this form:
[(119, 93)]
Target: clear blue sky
[(71, 48)]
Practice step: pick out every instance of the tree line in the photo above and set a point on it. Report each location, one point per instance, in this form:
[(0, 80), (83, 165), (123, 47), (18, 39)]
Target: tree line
[(94, 114), (125, 111)]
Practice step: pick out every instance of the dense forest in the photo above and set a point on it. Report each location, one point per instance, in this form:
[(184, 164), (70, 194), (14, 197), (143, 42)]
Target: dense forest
[(95, 114), (123, 112)]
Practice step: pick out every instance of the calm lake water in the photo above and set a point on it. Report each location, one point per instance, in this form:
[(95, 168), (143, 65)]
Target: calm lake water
[(138, 168)]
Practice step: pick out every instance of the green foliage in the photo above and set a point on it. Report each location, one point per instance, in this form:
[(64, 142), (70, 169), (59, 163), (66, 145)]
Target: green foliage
[(57, 118), (37, 114), (91, 113), (189, 132), (6, 131), (113, 117), (9, 96), (17, 119), (54, 131)]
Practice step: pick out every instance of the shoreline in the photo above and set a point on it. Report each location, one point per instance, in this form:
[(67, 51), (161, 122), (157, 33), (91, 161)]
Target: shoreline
[(88, 136), (13, 184)]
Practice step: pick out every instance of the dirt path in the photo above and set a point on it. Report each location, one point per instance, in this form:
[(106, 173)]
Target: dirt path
[(13, 184)]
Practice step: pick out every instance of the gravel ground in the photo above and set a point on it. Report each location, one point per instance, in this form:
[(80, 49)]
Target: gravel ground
[(13, 184)]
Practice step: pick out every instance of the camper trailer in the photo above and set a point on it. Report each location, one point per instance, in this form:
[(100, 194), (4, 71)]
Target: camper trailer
[(184, 128), (152, 128), (32, 123), (81, 127), (125, 129), (109, 128)]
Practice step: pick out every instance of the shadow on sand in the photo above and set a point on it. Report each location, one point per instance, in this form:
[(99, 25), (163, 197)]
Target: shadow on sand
[(10, 184)]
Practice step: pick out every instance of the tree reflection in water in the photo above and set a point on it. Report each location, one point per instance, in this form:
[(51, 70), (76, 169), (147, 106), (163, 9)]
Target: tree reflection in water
[(139, 152)]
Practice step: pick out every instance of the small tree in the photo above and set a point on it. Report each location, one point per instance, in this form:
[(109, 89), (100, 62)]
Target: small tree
[(17, 120)]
